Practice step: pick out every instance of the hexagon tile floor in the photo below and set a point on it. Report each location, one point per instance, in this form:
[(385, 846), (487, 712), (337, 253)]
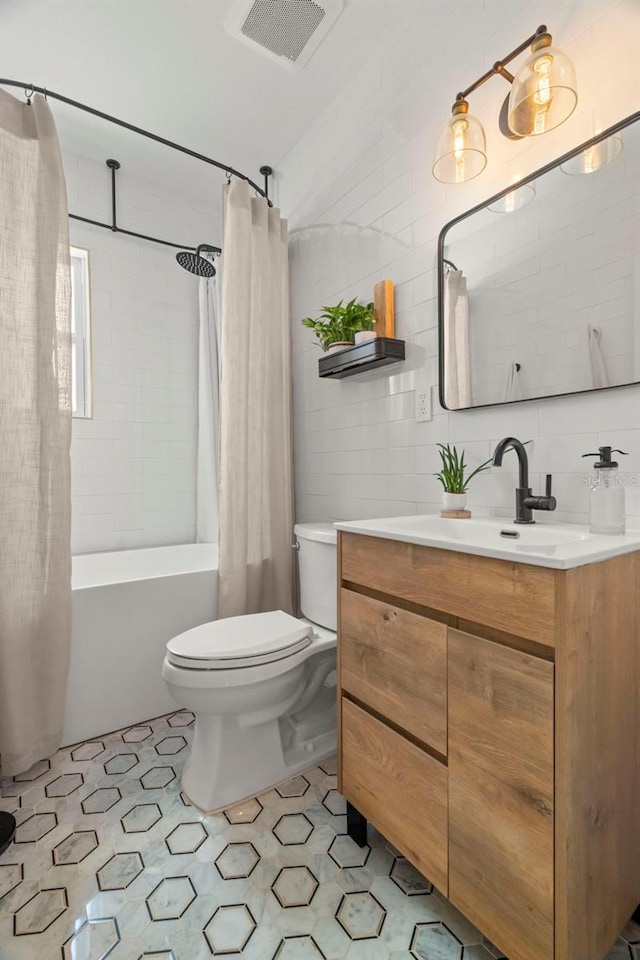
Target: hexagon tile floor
[(111, 861)]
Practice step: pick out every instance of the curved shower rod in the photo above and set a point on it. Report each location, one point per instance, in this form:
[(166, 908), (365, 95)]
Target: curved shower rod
[(30, 88)]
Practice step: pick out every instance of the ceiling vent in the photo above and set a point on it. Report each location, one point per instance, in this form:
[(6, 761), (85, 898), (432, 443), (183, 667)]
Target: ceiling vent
[(287, 31)]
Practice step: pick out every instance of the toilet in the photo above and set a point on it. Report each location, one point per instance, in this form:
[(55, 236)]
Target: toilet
[(261, 686)]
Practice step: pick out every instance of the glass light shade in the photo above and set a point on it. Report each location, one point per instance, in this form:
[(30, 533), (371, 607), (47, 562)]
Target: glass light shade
[(514, 200), (543, 93), (595, 157), (461, 150)]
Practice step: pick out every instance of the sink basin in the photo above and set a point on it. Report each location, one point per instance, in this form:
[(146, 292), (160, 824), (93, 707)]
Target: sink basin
[(486, 531), (561, 545)]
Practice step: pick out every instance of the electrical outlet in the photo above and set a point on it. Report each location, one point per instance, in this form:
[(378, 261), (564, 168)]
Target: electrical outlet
[(423, 404)]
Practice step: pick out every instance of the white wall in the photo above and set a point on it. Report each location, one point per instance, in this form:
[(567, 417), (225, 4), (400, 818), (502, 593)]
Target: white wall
[(363, 206), (133, 463)]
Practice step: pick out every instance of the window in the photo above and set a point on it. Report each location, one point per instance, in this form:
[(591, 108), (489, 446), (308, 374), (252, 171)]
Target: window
[(80, 334)]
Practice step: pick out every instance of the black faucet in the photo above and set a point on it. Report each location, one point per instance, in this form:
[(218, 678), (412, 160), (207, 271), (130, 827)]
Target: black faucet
[(526, 503)]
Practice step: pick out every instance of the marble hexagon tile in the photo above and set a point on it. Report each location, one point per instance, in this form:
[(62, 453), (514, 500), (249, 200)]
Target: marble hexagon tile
[(111, 861)]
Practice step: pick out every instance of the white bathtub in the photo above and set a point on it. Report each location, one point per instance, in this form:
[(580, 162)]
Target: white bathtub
[(126, 605)]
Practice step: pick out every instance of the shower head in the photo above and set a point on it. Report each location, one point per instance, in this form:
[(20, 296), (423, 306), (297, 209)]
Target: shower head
[(194, 263)]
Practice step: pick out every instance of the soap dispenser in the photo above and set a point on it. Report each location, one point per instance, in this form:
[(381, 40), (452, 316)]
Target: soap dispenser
[(606, 505)]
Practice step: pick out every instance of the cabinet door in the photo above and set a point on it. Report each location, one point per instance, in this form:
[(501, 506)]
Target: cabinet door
[(399, 788), (501, 793)]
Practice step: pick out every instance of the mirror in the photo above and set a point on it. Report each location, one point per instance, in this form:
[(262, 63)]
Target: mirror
[(539, 287)]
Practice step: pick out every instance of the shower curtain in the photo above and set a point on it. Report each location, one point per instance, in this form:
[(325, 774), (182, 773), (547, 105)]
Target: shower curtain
[(457, 386), (208, 414), (256, 487), (35, 434)]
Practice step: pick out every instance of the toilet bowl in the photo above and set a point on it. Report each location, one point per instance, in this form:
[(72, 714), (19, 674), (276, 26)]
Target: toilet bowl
[(262, 688)]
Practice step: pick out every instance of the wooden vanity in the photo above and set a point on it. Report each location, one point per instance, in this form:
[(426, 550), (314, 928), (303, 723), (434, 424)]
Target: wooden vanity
[(489, 727)]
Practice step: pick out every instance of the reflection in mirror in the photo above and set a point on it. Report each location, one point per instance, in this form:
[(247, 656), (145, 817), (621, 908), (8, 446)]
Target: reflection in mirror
[(595, 157), (540, 288), (514, 200)]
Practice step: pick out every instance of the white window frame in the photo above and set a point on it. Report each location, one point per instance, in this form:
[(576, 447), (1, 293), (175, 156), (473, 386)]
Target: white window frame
[(81, 334)]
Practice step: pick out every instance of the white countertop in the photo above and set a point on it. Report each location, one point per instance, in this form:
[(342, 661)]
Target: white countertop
[(561, 546)]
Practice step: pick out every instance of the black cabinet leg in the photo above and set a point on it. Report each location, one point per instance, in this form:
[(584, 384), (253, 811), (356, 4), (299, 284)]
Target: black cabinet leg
[(356, 825), (636, 915), (7, 830)]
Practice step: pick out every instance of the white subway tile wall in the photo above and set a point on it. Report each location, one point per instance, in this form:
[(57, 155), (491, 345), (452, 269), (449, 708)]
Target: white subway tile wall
[(134, 462), (362, 206)]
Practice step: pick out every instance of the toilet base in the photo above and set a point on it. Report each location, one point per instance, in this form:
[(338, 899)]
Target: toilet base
[(229, 763), (299, 766)]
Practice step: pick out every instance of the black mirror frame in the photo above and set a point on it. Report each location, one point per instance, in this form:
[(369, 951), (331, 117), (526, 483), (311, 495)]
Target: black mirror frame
[(620, 125)]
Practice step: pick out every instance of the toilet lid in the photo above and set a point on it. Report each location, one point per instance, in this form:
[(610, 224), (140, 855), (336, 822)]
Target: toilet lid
[(240, 641)]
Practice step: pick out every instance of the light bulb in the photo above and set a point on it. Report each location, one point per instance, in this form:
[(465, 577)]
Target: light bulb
[(542, 94), (459, 127), (591, 161)]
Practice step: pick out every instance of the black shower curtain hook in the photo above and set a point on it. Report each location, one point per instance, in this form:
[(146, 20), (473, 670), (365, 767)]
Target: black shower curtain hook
[(228, 176), (28, 92)]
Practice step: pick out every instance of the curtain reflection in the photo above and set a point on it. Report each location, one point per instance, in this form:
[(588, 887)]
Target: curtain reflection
[(457, 385)]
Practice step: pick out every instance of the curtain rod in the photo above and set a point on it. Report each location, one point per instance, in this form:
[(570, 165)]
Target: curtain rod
[(113, 226), (139, 236), (30, 88)]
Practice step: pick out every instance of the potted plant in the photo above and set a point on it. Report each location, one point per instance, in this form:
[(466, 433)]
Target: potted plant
[(337, 326), (454, 478)]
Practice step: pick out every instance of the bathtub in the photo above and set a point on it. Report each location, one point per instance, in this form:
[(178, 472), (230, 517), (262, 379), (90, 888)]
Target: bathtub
[(126, 605)]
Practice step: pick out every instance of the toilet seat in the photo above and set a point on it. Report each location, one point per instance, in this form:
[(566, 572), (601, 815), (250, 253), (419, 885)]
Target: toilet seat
[(240, 642)]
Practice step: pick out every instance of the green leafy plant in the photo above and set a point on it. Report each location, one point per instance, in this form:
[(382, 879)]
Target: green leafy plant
[(453, 476), (341, 322)]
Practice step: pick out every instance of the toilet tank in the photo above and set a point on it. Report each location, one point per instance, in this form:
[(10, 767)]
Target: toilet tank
[(317, 565)]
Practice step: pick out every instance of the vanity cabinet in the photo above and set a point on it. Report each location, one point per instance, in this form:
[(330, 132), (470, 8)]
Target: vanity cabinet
[(490, 729)]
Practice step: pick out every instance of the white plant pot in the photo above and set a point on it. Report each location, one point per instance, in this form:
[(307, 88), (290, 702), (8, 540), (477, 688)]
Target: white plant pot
[(339, 345), (454, 501), (362, 336)]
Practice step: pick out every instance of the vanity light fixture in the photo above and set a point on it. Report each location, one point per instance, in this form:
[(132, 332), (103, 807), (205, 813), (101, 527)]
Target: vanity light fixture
[(543, 95), (461, 150)]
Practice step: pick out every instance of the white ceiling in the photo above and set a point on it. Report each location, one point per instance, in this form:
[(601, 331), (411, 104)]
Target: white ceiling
[(168, 66)]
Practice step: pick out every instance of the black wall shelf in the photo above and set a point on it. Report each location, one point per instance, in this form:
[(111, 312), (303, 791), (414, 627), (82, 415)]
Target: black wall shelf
[(365, 356)]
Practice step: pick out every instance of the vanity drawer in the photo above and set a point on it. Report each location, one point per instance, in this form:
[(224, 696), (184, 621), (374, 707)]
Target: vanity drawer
[(395, 662), (398, 787), (516, 598)]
